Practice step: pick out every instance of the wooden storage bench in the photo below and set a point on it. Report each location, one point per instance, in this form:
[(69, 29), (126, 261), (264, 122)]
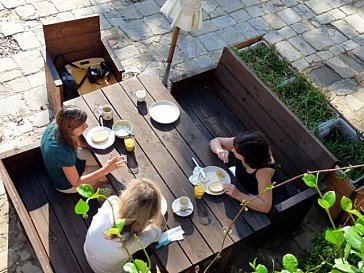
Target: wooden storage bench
[(56, 233)]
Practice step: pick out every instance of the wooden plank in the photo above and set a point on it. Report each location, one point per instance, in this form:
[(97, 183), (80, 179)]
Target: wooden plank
[(46, 223), (25, 218), (146, 169), (194, 138)]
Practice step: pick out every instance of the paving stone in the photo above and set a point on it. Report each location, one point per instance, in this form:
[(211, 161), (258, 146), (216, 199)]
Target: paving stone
[(324, 76), (318, 6), (9, 75), (162, 51), (337, 14), (247, 30), (10, 4), (303, 11), (300, 65), (259, 24), (63, 6), (7, 64), (13, 105), (45, 8), (148, 7), (274, 21), (203, 61), (359, 4), (36, 98), (317, 38), (324, 55), (191, 47), (301, 45), (240, 16), (230, 5), (343, 88), (287, 32), (345, 28), (157, 24), (272, 6), (83, 12), (348, 9), (137, 30), (290, 3), (335, 3), (359, 40), (288, 51), (357, 22), (26, 12), (9, 28), (340, 67), (210, 6), (212, 41), (40, 119), (30, 61), (289, 16), (131, 13), (301, 27), (230, 35), (127, 52), (223, 21), (37, 79), (354, 103), (254, 11), (359, 94), (28, 268), (359, 52), (249, 3), (207, 27), (355, 64), (349, 45), (325, 18), (19, 85), (27, 40), (273, 37), (336, 49)]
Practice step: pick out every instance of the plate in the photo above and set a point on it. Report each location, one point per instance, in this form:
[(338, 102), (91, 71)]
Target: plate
[(164, 205), (211, 176), (164, 111), (176, 209), (102, 145)]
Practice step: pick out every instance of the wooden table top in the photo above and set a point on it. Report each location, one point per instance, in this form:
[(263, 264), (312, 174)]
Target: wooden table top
[(163, 153)]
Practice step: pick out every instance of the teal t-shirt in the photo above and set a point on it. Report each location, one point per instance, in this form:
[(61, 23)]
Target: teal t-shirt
[(57, 154)]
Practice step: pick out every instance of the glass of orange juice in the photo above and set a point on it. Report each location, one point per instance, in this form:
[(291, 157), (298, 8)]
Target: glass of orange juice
[(129, 142), (199, 191)]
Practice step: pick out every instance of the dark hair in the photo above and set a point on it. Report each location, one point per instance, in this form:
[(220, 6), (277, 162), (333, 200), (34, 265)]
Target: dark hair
[(254, 147), (68, 119)]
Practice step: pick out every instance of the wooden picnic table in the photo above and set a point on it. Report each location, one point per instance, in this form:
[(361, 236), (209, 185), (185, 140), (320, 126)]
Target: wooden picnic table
[(164, 154)]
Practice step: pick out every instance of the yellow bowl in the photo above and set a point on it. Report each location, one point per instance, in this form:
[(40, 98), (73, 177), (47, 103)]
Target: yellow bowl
[(122, 128)]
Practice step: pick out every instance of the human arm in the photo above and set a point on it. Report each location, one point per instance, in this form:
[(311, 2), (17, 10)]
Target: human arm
[(111, 164), (221, 147), (261, 202)]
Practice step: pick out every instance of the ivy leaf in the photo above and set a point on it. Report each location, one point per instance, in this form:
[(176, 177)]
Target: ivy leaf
[(347, 251), (346, 204), (141, 266), (330, 197), (120, 224), (348, 268), (82, 207), (310, 180), (290, 263), (335, 237), (353, 238), (85, 190), (112, 231), (323, 203), (360, 228), (130, 268), (261, 269), (252, 264)]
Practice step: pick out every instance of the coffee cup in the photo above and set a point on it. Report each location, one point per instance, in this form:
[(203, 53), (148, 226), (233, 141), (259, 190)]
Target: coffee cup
[(106, 112), (140, 94), (184, 202)]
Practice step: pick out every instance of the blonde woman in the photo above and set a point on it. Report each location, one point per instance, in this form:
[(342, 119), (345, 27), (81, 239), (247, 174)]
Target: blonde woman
[(140, 206), (63, 157)]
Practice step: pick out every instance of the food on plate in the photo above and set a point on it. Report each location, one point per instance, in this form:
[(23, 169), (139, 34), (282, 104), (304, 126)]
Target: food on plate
[(220, 174), (99, 136), (216, 187)]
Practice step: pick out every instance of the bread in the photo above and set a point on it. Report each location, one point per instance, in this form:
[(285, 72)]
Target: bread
[(220, 174), (216, 187), (99, 136)]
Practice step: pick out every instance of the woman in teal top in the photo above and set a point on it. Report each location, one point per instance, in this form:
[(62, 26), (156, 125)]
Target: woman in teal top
[(59, 145)]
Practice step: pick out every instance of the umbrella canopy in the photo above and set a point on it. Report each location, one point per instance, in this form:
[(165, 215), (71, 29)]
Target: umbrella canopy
[(186, 14)]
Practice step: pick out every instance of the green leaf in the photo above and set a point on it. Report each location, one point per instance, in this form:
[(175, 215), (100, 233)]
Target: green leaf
[(261, 269), (310, 180), (323, 203), (346, 204), (347, 251), (360, 228), (335, 237), (356, 213), (141, 266), (354, 239), (130, 268), (346, 268), (82, 207), (112, 231), (120, 224), (290, 263), (330, 197), (85, 190), (252, 264)]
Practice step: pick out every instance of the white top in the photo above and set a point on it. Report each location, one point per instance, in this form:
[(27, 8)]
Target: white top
[(108, 256)]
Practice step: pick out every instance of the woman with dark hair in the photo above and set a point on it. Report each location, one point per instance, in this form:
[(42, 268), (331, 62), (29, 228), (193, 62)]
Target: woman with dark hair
[(255, 167), (64, 158)]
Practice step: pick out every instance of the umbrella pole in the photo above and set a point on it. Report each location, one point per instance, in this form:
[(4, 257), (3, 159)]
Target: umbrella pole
[(170, 55)]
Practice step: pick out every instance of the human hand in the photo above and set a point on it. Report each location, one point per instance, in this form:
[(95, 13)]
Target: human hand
[(223, 155), (232, 191), (113, 163)]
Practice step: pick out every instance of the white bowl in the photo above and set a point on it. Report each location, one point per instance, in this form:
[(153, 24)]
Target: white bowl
[(122, 128)]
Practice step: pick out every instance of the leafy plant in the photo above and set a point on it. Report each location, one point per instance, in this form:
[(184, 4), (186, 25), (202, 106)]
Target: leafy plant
[(82, 208)]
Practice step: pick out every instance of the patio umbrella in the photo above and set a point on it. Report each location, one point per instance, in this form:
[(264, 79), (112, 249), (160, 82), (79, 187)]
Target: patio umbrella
[(186, 14)]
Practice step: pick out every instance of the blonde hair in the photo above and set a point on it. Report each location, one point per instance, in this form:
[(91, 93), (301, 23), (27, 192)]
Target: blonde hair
[(68, 119), (139, 205)]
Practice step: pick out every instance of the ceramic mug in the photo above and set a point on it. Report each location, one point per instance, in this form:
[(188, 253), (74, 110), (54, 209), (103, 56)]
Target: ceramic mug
[(141, 94), (184, 202), (106, 112)]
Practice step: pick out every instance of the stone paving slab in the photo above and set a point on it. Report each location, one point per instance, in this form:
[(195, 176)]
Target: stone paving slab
[(323, 39)]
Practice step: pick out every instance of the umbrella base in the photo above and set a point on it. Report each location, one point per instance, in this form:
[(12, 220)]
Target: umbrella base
[(166, 74)]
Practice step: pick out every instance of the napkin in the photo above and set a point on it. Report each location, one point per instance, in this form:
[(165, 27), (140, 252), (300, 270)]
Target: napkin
[(171, 235)]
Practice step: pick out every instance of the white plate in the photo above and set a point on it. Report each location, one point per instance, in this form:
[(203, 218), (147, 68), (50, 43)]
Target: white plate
[(164, 111), (176, 209), (102, 145), (164, 205), (211, 176)]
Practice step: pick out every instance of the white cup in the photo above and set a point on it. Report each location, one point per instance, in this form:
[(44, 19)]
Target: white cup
[(106, 112), (141, 94), (184, 202)]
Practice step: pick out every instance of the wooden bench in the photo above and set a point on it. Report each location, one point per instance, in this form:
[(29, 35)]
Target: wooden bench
[(226, 99)]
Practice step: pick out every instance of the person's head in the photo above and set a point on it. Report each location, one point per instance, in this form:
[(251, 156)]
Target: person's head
[(71, 123), (139, 204), (253, 148)]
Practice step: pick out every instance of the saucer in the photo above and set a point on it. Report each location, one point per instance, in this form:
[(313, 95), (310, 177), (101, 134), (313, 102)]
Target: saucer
[(176, 209)]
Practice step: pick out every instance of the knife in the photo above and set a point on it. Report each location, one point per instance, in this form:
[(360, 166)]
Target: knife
[(198, 166)]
